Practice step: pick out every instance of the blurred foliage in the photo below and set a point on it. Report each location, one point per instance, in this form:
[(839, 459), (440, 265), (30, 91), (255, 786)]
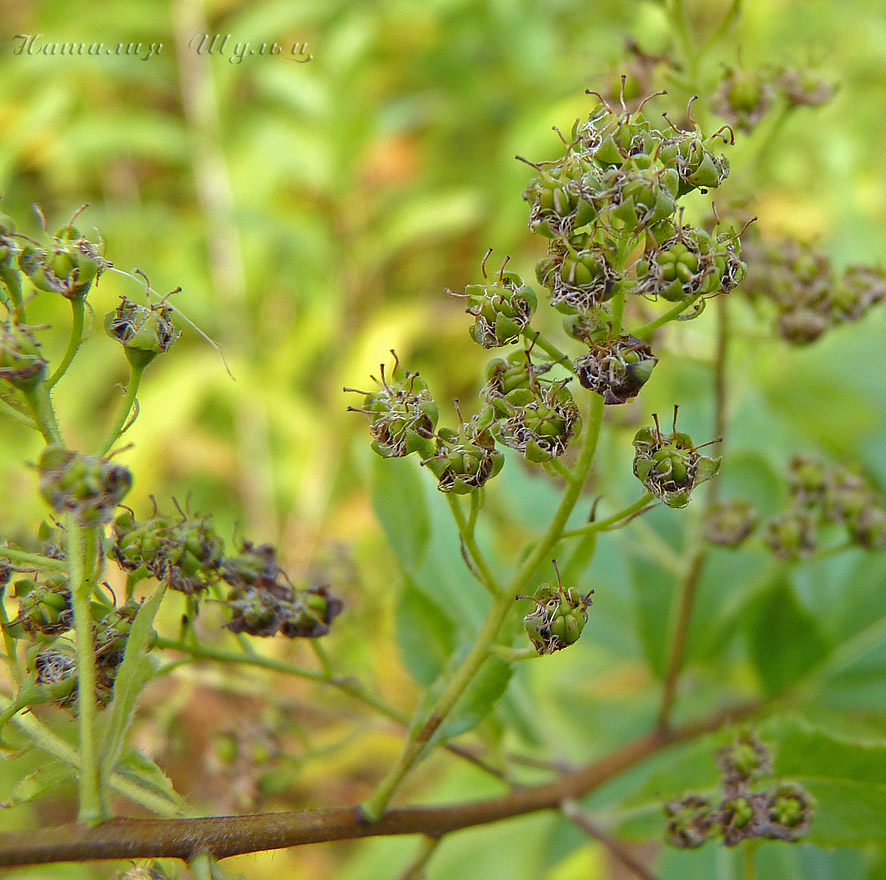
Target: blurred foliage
[(314, 214)]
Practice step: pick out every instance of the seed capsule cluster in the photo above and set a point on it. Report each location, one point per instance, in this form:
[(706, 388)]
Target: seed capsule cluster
[(747, 810), (670, 465), (188, 555), (822, 494), (85, 485), (264, 603), (44, 623), (559, 617), (621, 179), (809, 294), (501, 307), (69, 266), (403, 415)]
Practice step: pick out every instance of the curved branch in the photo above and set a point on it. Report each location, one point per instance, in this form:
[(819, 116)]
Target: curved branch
[(226, 836)]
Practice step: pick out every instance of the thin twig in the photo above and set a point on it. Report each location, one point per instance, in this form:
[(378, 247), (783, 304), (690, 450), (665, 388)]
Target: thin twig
[(226, 836), (573, 811)]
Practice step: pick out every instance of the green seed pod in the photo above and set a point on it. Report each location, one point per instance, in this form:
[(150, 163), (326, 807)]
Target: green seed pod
[(743, 817), (252, 567), (543, 428), (868, 527), (563, 198), (69, 268), (465, 459), (729, 523), (310, 614), (691, 822), (695, 163), (559, 617), (743, 98), (502, 308), (744, 760), (616, 369), (512, 382), (579, 279), (403, 415), (143, 331), (792, 535), (669, 465), (791, 811), (45, 611), (85, 485), (21, 363), (642, 193), (689, 264), (801, 326)]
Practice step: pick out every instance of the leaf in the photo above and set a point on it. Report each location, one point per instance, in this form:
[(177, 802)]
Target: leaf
[(847, 779), (425, 633), (140, 769), (784, 639), (398, 498), (808, 752), (46, 778), (848, 813), (477, 701), (134, 671), (653, 590)]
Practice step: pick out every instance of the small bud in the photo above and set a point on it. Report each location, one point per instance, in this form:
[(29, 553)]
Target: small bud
[(807, 478), (84, 485), (743, 761), (729, 522), (792, 535), (743, 98), (868, 527), (803, 88), (690, 822), (559, 617), (616, 369), (669, 465), (143, 331), (791, 811), (21, 363), (403, 415)]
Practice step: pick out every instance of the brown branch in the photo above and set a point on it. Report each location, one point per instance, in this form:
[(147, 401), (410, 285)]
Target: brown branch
[(225, 836)]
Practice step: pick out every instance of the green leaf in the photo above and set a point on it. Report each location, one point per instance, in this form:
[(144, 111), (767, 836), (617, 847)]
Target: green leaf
[(134, 671), (140, 769), (784, 639), (810, 752), (477, 701), (653, 590), (425, 633), (398, 498), (46, 778), (847, 779), (848, 813)]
